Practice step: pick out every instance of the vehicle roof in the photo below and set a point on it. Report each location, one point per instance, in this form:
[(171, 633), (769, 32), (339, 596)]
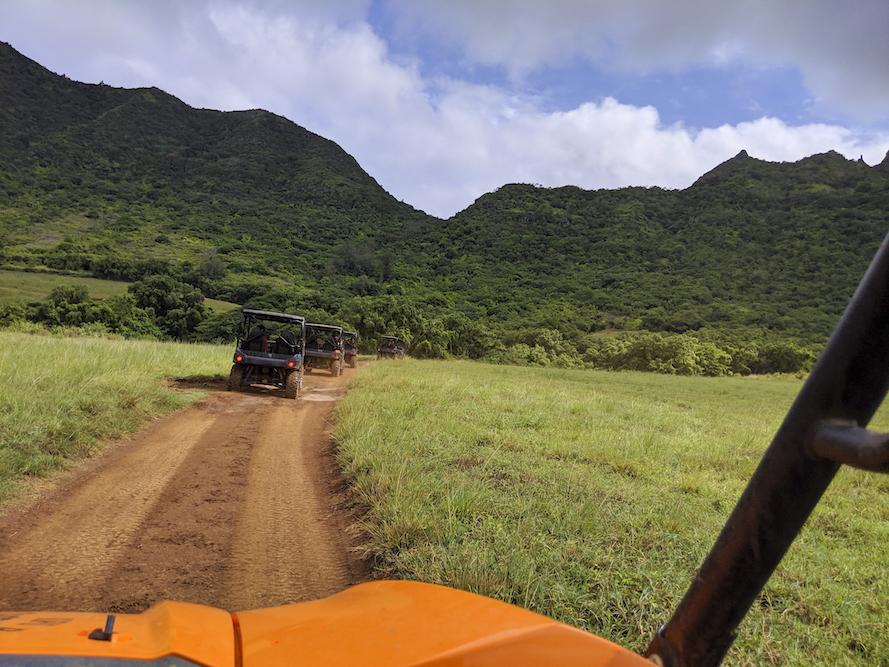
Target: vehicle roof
[(324, 326), (283, 317), (351, 333)]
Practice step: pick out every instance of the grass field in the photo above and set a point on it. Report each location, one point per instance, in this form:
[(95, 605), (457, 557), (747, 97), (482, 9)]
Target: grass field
[(29, 286), (592, 497), (61, 396)]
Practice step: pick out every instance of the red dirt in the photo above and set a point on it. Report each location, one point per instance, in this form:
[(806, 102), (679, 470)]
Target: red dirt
[(234, 502)]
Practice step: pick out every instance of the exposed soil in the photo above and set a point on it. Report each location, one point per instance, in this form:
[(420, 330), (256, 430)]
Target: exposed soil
[(234, 502)]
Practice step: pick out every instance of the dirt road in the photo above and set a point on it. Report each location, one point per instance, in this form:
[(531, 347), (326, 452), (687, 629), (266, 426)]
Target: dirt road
[(233, 502)]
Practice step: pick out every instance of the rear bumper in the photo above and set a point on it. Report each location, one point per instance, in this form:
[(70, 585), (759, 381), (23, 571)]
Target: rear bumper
[(267, 359)]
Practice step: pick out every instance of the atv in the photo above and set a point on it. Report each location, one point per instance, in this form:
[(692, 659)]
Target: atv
[(390, 347), (324, 348), (350, 347), (269, 352)]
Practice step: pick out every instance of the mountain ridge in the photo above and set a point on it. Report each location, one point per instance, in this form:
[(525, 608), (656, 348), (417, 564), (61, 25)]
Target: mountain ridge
[(127, 182)]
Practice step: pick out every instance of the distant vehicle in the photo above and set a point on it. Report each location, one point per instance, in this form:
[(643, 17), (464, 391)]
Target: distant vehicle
[(324, 348), (390, 347), (269, 351), (350, 347)]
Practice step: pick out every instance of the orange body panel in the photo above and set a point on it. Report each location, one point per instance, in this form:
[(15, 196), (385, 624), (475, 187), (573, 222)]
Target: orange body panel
[(408, 623), (201, 634), (378, 623)]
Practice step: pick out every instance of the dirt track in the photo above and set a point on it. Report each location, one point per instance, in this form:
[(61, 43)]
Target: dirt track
[(233, 502)]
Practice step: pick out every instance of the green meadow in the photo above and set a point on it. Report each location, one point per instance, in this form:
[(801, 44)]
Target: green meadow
[(592, 497), (35, 286)]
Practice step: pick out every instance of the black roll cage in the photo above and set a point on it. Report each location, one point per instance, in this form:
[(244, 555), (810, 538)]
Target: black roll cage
[(824, 429)]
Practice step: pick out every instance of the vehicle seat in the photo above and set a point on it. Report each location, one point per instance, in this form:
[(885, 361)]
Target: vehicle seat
[(255, 341), (286, 343)]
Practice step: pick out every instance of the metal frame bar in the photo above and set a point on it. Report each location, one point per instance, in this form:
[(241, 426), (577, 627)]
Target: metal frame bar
[(823, 429)]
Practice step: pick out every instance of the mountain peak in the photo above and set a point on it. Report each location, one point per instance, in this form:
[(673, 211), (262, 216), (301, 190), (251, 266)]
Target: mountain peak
[(726, 170)]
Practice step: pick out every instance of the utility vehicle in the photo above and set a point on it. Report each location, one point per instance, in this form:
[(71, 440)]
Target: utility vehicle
[(324, 348), (411, 623), (269, 351), (350, 347), (390, 347)]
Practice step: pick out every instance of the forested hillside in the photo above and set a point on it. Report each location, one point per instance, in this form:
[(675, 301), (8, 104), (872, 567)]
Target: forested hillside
[(755, 243), (251, 208), (130, 174)]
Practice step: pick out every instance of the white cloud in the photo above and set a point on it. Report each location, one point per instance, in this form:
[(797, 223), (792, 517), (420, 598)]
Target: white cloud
[(607, 145), (840, 46)]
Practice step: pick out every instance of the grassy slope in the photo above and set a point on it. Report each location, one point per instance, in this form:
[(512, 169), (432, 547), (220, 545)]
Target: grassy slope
[(592, 497), (29, 286), (86, 389)]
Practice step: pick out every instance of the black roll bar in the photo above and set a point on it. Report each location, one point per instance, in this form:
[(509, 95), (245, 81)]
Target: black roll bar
[(823, 429)]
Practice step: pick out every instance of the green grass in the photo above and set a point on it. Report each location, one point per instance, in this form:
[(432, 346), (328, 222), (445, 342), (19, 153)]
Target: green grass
[(35, 286), (60, 397), (592, 497), (30, 286)]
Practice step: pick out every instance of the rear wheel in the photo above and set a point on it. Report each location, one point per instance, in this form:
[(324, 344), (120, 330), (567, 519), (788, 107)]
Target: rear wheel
[(291, 385), (235, 377), (336, 367), (352, 361)]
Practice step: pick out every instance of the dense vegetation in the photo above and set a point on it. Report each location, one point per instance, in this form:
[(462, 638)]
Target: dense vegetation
[(746, 270)]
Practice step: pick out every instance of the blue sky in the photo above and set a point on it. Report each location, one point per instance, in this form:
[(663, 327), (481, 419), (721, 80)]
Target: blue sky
[(444, 100)]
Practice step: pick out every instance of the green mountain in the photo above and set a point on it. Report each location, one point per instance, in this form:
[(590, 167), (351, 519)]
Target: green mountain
[(99, 179), (751, 242), (249, 207)]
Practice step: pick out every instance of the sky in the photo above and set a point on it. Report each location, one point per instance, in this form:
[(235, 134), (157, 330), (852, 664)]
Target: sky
[(442, 101)]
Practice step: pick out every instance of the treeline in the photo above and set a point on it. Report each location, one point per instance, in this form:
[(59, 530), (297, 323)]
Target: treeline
[(160, 306), (157, 307)]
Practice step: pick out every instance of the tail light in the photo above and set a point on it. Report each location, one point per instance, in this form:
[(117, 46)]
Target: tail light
[(239, 357)]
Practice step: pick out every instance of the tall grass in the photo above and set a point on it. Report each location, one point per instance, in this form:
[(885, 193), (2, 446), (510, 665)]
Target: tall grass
[(592, 497), (59, 397)]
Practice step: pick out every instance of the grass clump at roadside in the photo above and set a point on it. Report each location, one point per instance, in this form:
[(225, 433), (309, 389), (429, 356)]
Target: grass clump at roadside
[(592, 497), (60, 397)]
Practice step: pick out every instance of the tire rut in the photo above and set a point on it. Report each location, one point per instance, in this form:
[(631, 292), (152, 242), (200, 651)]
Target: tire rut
[(284, 537)]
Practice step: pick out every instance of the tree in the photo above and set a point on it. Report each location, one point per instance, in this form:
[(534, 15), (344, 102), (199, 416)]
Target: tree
[(178, 307)]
